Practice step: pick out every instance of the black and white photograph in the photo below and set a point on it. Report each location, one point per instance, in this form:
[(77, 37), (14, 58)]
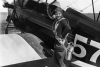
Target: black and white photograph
[(49, 33)]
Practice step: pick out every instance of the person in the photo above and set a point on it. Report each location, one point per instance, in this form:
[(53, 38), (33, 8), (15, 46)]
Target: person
[(61, 25), (60, 29)]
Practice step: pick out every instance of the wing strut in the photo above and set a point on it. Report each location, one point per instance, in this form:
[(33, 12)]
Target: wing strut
[(93, 9), (98, 16)]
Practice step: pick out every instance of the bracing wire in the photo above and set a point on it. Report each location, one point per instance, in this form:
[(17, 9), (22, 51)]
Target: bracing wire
[(78, 9), (72, 4), (88, 6), (69, 3)]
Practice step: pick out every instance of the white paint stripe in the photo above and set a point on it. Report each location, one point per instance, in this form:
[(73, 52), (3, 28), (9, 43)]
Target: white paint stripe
[(82, 64)]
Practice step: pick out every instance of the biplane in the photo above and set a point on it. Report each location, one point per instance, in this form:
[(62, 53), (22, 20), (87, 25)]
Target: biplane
[(34, 17)]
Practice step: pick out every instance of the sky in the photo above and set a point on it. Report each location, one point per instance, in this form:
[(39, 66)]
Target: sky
[(79, 5)]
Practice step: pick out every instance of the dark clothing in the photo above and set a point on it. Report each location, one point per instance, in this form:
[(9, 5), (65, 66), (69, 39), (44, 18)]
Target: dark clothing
[(63, 28)]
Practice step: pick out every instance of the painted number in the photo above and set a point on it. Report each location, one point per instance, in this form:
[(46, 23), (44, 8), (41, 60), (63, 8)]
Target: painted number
[(97, 53), (83, 50)]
